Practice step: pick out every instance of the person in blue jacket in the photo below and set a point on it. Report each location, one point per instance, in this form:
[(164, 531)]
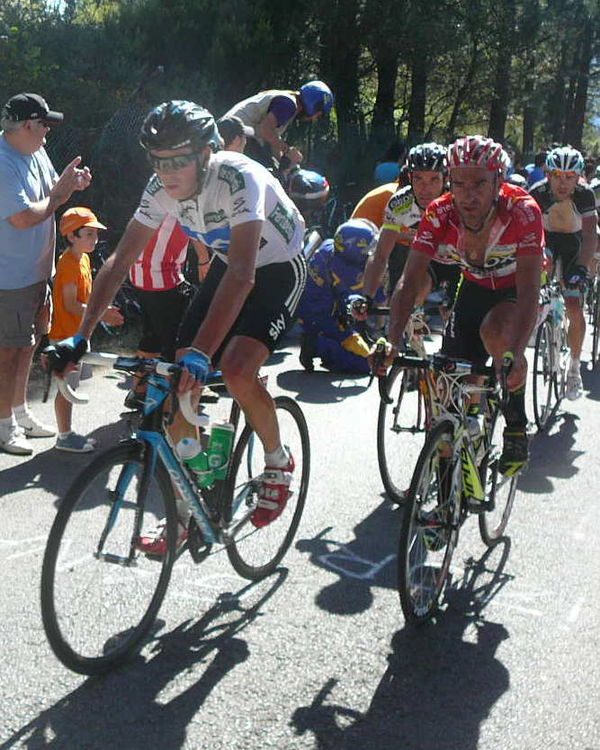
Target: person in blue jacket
[(335, 272)]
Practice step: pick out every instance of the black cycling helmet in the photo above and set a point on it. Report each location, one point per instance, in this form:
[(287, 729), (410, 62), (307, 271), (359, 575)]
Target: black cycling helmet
[(428, 157), (178, 123)]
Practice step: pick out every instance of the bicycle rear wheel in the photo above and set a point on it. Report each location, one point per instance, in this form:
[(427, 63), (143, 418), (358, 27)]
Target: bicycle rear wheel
[(544, 389), (255, 553), (595, 321), (99, 596), (401, 428), (429, 530), (499, 490)]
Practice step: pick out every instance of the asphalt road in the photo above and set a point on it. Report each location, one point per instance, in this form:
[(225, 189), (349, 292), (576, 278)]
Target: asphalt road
[(318, 655)]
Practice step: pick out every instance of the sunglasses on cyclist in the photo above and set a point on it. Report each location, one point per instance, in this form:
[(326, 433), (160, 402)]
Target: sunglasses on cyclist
[(171, 163), (560, 173)]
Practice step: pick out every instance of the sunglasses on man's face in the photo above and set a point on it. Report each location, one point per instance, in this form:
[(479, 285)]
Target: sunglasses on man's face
[(171, 163), (559, 173)]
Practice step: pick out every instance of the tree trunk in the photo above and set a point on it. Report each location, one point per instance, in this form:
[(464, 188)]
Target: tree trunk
[(418, 97), (462, 93), (575, 123), (383, 130), (501, 95)]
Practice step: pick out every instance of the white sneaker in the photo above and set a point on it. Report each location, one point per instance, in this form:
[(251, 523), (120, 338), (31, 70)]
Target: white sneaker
[(574, 386), (15, 442), (34, 429)]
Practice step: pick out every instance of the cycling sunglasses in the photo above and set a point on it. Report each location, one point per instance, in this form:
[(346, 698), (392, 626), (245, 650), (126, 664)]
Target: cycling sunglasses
[(560, 173), (171, 163)]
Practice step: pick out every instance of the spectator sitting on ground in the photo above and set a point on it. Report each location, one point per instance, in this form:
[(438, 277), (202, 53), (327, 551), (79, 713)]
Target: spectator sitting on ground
[(234, 133)]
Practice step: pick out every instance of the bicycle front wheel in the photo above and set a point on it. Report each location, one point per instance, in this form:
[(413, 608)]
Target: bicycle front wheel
[(544, 389), (595, 320), (499, 490), (401, 428), (429, 526), (255, 553), (99, 596)]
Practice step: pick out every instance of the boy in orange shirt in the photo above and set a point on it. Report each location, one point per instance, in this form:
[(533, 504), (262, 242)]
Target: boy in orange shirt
[(72, 289)]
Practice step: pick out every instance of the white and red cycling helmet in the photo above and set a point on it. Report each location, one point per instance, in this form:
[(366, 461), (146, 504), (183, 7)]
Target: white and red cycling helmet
[(478, 151)]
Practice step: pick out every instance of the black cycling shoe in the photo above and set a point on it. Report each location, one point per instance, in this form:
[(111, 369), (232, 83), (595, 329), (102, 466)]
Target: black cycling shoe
[(515, 452), (134, 400), (307, 352)]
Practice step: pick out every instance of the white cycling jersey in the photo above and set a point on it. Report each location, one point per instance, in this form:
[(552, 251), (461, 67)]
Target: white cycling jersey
[(402, 211), (236, 190)]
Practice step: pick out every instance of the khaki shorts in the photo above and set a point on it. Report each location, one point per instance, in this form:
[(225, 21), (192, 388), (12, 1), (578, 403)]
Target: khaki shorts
[(24, 315)]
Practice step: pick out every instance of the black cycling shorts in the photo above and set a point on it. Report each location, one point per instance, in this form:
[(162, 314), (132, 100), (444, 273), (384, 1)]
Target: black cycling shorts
[(564, 247), (438, 272), (473, 302), (162, 313), (267, 312)]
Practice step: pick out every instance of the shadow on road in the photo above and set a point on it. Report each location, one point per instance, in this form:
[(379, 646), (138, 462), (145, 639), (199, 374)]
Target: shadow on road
[(365, 562), (137, 707), (441, 682), (321, 387)]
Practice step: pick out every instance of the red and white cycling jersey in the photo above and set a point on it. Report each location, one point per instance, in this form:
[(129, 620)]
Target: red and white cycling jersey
[(516, 231), (160, 266)]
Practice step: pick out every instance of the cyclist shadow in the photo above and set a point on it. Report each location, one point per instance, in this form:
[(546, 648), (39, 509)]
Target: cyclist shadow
[(55, 470), (591, 383), (365, 562), (321, 387), (552, 454), (441, 682), (140, 697)]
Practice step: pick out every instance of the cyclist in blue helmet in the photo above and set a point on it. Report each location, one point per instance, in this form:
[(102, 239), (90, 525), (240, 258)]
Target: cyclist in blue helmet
[(269, 113)]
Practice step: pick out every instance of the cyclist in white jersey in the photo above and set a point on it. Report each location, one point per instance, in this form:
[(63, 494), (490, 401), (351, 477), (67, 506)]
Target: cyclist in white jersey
[(235, 207)]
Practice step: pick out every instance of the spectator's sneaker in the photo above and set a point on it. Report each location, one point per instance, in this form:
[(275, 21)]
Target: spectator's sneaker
[(154, 542), (307, 352), (273, 494), (515, 452), (434, 529), (34, 429), (574, 386), (74, 443), (15, 442)]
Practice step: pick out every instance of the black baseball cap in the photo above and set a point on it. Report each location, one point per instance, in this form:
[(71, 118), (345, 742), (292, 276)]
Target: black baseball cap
[(231, 127), (23, 107)]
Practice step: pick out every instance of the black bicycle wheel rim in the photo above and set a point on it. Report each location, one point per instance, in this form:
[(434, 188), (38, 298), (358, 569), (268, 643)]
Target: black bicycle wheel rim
[(129, 642), (544, 376), (596, 323), (392, 448), (256, 553), (422, 572)]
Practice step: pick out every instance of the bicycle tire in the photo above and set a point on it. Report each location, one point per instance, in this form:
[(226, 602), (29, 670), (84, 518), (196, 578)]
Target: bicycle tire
[(256, 552), (74, 614), (425, 552), (562, 354), (544, 391), (499, 490), (393, 423)]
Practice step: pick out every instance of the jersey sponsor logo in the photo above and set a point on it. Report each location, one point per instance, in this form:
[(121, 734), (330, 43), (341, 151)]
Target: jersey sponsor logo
[(277, 327), (283, 221), (233, 177), (240, 206), (215, 217), (154, 185)]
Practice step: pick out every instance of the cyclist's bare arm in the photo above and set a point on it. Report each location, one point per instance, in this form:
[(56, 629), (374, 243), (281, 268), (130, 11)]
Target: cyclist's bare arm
[(589, 240), (113, 273), (234, 288), (377, 262), (267, 130), (405, 295)]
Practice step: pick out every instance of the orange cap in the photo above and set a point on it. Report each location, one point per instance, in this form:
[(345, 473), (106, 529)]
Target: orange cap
[(75, 218)]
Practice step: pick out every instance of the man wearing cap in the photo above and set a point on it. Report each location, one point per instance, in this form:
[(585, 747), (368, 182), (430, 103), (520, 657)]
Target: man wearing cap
[(30, 193), (269, 113)]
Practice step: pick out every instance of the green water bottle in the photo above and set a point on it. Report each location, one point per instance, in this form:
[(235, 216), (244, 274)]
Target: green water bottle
[(219, 448), (191, 453)]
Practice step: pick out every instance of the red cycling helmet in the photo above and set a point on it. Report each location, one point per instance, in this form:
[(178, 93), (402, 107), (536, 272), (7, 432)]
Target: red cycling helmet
[(478, 151)]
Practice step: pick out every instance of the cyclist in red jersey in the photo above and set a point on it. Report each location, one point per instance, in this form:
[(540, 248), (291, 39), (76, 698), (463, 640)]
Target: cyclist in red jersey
[(493, 230)]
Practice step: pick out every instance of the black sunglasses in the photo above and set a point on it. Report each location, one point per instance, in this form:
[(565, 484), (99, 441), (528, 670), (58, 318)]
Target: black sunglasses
[(171, 163)]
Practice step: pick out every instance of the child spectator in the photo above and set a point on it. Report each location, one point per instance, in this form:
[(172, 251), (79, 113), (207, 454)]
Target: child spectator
[(72, 289)]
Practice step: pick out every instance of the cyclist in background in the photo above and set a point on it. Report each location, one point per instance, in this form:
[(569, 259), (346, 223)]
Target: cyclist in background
[(494, 231), (428, 171), (269, 113), (569, 210), (240, 211)]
